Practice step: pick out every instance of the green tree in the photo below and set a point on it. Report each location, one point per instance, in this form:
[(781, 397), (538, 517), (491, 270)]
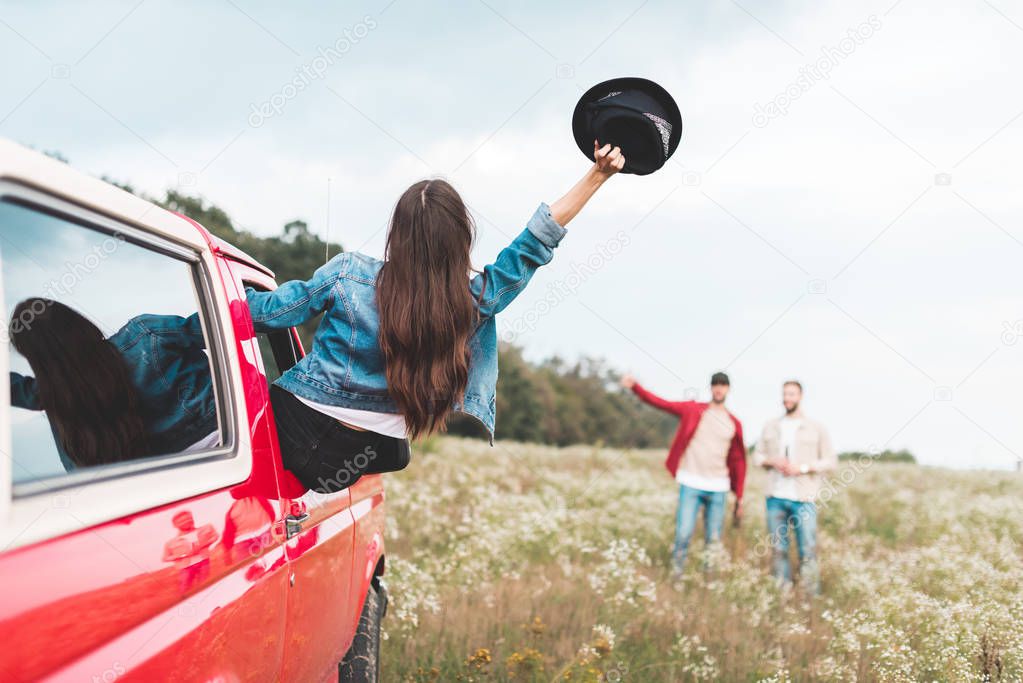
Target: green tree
[(884, 456), (292, 255), (560, 403)]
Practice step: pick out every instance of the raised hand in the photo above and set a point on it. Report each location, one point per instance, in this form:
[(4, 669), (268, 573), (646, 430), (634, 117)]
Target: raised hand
[(609, 161)]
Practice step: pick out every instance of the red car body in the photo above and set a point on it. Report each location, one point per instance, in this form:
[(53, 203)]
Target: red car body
[(258, 580)]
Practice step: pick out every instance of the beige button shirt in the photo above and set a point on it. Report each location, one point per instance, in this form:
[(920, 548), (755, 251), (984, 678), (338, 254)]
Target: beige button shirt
[(812, 448)]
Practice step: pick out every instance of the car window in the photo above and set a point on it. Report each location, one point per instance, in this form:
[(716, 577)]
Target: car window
[(109, 357), (273, 371)]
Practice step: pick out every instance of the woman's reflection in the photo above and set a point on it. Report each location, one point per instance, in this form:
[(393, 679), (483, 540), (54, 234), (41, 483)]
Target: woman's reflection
[(147, 390)]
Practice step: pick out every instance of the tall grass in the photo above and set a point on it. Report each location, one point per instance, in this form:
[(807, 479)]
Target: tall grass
[(533, 563)]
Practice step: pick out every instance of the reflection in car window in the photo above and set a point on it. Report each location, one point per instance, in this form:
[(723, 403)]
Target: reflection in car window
[(108, 356)]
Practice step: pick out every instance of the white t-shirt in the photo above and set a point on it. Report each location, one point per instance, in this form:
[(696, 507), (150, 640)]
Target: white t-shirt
[(782, 486), (388, 424), (696, 481), (204, 444)]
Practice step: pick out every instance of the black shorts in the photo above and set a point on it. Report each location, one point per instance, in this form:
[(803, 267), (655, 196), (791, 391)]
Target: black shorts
[(325, 455)]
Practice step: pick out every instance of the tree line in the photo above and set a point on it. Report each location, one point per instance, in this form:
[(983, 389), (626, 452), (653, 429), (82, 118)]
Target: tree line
[(882, 456)]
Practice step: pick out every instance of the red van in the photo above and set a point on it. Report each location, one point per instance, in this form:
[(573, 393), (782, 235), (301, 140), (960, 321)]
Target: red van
[(202, 558)]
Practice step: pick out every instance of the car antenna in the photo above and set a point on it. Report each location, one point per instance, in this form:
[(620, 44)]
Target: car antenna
[(326, 230)]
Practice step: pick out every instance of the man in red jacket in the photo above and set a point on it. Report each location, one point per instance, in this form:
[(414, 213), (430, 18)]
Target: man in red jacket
[(707, 458)]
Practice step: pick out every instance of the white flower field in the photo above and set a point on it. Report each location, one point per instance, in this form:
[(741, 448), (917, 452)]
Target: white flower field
[(533, 563)]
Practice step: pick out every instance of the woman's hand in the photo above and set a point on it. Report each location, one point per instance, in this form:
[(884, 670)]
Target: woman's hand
[(609, 161)]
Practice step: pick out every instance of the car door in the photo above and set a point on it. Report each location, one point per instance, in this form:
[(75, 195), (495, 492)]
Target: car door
[(321, 616), (141, 560)]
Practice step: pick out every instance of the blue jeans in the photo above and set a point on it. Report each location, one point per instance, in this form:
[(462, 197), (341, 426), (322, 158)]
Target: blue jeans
[(783, 514), (689, 502)]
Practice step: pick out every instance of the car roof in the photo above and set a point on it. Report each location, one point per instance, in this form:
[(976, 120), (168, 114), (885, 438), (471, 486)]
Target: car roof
[(30, 168), (228, 250)]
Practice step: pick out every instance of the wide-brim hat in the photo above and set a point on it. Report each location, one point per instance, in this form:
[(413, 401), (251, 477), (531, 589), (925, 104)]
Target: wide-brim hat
[(635, 114)]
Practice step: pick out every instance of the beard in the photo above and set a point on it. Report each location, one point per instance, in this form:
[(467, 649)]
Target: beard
[(794, 408)]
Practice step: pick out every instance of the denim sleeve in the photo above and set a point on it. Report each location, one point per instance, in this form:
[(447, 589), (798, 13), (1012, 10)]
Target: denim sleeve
[(182, 332), (192, 329), (173, 330), (24, 393), (295, 302), (508, 275)]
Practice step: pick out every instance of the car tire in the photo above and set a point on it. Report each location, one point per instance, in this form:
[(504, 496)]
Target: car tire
[(362, 661)]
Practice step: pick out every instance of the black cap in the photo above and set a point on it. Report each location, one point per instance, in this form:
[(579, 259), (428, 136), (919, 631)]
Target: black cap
[(720, 378)]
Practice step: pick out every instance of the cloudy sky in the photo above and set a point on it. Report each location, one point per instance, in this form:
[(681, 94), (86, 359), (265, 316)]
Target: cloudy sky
[(844, 206)]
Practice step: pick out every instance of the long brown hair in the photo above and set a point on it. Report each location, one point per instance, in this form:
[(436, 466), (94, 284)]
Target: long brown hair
[(83, 383), (427, 312)]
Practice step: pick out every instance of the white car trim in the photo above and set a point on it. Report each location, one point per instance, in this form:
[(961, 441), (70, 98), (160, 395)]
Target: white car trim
[(6, 466), (28, 167)]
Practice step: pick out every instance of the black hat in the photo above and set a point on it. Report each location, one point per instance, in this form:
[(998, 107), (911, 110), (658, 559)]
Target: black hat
[(632, 113), (719, 378)]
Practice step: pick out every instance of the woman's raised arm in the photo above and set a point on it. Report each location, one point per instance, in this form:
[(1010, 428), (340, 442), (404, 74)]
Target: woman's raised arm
[(503, 280), (607, 162)]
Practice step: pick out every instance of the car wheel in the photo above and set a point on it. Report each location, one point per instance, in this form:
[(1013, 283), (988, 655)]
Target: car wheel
[(362, 661)]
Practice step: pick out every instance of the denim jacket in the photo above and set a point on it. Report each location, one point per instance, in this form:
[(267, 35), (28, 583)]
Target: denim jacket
[(345, 366), (168, 366)]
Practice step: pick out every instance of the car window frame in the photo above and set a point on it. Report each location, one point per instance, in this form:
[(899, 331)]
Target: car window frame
[(216, 323), (275, 335)]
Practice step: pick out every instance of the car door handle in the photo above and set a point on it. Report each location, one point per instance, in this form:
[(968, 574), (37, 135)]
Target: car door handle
[(293, 523)]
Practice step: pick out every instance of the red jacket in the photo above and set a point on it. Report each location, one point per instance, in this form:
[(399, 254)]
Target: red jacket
[(689, 413)]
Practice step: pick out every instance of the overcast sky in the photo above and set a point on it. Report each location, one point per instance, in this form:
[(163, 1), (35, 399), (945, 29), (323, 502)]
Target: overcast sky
[(844, 206)]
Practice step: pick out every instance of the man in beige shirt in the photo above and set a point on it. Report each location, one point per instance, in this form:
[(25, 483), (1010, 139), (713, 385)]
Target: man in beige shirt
[(798, 452)]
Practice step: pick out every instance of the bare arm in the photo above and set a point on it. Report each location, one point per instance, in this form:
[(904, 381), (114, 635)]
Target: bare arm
[(607, 162)]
